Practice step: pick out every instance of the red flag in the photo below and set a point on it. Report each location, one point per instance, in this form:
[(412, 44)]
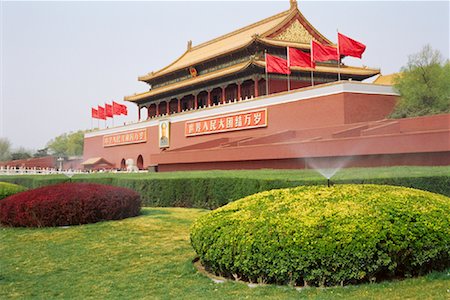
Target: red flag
[(300, 59), (117, 108), (323, 53), (108, 110), (276, 64), (124, 110), (94, 113), (350, 47), (101, 113)]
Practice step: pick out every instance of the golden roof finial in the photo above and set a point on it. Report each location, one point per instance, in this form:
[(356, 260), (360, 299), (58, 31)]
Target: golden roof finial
[(189, 45), (293, 4)]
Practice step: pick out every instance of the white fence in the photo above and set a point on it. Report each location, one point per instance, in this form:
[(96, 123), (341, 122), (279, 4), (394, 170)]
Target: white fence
[(50, 171), (38, 171)]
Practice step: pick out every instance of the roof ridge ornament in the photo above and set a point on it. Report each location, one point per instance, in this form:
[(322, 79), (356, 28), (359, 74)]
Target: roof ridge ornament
[(189, 45), (293, 4)]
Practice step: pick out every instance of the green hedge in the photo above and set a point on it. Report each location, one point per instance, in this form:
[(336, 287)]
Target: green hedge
[(8, 189), (216, 188), (326, 236)]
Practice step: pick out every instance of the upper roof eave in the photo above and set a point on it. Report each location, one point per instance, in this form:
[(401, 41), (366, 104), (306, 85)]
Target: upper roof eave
[(153, 74), (157, 75), (267, 41)]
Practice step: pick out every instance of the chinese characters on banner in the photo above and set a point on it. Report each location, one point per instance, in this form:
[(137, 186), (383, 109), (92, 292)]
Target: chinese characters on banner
[(231, 122), (124, 138)]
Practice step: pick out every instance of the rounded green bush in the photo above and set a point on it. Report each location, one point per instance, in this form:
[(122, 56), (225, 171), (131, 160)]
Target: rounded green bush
[(8, 189), (326, 236)]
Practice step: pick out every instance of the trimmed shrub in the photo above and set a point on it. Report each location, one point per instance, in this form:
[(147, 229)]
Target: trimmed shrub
[(326, 236), (214, 189), (69, 204), (8, 189)]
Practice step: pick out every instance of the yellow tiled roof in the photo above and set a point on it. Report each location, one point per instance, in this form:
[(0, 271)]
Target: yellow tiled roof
[(234, 41), (191, 81), (386, 79)]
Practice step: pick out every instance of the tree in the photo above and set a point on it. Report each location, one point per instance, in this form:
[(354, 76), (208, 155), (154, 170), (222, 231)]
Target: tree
[(424, 85), (75, 143), (41, 152), (20, 153), (67, 144), (5, 149)]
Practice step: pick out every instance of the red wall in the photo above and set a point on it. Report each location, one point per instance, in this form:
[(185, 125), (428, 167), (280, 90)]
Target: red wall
[(307, 117), (382, 160), (361, 108)]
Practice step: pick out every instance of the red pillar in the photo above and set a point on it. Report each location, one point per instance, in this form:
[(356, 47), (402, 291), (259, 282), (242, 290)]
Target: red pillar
[(238, 91), (222, 101), (209, 97), (195, 101), (256, 87), (168, 107), (179, 104), (157, 109)]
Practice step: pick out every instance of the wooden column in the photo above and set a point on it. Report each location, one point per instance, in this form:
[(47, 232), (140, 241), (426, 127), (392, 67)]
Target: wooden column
[(168, 107), (256, 87), (195, 101), (179, 104), (239, 91), (222, 101), (157, 109), (139, 113), (209, 97)]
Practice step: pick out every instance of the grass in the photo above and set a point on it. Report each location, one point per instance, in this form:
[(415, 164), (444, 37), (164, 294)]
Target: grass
[(271, 174), (149, 257)]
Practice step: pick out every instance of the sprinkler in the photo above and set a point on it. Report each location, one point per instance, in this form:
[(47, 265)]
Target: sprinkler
[(329, 183)]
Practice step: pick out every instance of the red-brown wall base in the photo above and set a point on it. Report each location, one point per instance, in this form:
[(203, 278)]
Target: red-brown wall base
[(407, 159)]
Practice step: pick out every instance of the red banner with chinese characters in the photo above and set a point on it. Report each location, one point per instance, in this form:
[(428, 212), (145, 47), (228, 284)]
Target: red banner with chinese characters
[(125, 138), (231, 122)]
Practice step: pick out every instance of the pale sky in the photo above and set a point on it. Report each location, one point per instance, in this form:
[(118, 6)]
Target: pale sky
[(59, 59)]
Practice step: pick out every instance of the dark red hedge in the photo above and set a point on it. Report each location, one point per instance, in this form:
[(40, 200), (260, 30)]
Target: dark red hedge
[(69, 204)]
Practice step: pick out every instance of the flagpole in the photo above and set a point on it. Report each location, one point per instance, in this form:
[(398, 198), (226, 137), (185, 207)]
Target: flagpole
[(289, 66), (267, 74), (312, 72), (339, 57)]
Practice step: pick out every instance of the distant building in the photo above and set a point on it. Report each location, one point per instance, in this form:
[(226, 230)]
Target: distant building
[(46, 162), (215, 108)]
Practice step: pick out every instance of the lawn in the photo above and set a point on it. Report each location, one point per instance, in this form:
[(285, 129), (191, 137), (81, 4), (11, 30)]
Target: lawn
[(269, 174), (150, 257)]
